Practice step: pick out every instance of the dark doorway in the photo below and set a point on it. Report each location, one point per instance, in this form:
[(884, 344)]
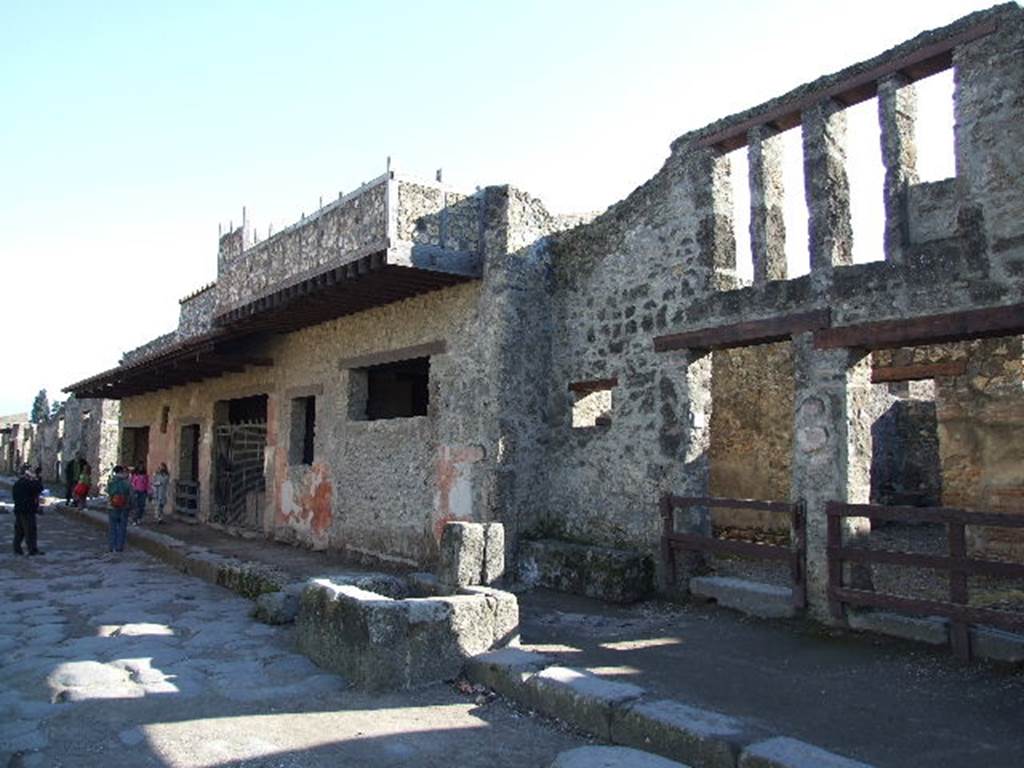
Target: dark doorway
[(186, 488), (240, 440)]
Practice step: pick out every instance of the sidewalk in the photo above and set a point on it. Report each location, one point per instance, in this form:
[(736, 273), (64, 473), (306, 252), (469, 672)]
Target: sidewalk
[(878, 700)]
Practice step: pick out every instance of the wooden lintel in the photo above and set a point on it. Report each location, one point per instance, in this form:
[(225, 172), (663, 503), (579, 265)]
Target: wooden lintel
[(857, 87), (593, 385), (919, 372), (745, 334), (931, 329), (394, 356)]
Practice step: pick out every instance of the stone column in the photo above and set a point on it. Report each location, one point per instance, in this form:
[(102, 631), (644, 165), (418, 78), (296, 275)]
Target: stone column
[(832, 449), (897, 113), (767, 223), (827, 189), (684, 418), (708, 181)]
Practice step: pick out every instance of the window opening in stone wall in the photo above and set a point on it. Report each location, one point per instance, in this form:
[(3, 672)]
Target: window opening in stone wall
[(303, 431), (165, 415), (751, 441), (934, 132), (794, 204), (391, 390), (948, 431), (739, 170), (134, 446), (592, 404), (866, 175)]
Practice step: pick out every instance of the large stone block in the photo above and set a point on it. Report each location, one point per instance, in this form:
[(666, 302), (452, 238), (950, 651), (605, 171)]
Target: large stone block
[(766, 601), (506, 670), (494, 553), (462, 554), (615, 575), (579, 697), (611, 757), (681, 732), (782, 752)]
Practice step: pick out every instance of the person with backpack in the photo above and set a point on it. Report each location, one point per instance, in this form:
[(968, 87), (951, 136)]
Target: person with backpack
[(140, 492), (119, 492)]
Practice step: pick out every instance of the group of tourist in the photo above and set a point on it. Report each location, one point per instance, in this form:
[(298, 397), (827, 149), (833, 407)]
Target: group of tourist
[(128, 491)]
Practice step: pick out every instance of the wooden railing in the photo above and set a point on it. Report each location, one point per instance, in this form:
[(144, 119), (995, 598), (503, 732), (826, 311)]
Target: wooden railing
[(957, 563), (794, 554)]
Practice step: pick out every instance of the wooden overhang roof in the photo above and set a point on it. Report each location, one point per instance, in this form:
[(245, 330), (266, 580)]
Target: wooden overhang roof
[(353, 287)]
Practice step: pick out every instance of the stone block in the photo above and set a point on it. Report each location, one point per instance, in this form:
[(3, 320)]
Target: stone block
[(279, 607), (494, 553), (932, 210), (614, 575), (782, 752), (579, 697), (504, 608), (462, 554), (611, 757), (997, 644), (933, 630), (766, 601), (682, 732), (506, 670)]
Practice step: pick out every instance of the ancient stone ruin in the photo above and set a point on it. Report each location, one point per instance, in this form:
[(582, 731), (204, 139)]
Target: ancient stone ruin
[(411, 355)]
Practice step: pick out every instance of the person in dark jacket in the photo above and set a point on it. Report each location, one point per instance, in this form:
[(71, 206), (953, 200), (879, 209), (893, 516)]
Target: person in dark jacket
[(26, 504)]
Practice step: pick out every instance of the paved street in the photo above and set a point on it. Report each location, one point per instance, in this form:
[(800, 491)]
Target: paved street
[(120, 661)]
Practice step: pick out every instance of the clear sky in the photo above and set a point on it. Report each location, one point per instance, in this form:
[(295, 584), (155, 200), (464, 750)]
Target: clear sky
[(130, 130)]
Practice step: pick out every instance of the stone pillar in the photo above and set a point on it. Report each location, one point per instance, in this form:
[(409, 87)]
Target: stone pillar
[(707, 178), (767, 223), (684, 438), (897, 113), (989, 110), (832, 449), (827, 188)]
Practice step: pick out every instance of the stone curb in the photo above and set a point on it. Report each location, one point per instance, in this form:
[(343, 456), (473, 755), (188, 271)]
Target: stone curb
[(622, 713), (611, 757), (248, 579)]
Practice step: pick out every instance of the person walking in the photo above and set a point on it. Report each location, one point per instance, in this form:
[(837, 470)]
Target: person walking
[(26, 492), (161, 482), (71, 470), (119, 492), (140, 492)]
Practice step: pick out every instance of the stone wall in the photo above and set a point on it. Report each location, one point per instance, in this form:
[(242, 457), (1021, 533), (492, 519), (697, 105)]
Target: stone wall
[(196, 314), (348, 228)]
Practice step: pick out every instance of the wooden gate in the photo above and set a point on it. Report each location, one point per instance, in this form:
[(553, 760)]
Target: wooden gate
[(239, 482)]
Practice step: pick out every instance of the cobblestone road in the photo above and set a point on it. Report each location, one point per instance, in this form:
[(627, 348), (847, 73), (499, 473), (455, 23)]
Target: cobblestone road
[(120, 661)]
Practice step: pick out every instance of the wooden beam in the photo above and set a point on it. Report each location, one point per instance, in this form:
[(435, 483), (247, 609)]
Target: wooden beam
[(745, 334), (406, 353), (593, 385), (850, 90), (919, 372), (931, 329)]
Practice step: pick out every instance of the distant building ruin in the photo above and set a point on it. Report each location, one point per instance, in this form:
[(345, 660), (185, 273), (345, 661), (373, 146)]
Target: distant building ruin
[(410, 355)]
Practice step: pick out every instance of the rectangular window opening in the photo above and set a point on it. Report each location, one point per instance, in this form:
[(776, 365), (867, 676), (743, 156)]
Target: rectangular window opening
[(165, 415), (866, 173), (794, 206), (739, 169), (933, 128), (592, 403), (398, 390), (303, 431)]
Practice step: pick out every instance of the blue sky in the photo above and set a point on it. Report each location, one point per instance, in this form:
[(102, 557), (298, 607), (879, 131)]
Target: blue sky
[(129, 131)]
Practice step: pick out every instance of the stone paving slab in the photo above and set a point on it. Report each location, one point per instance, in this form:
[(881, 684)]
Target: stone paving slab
[(789, 753)]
